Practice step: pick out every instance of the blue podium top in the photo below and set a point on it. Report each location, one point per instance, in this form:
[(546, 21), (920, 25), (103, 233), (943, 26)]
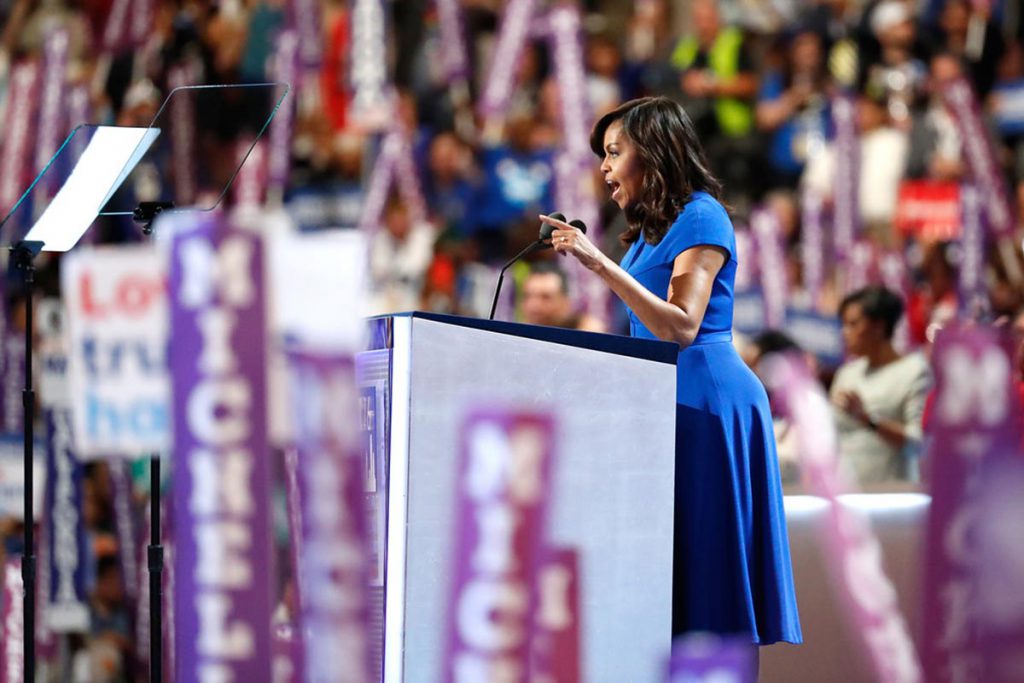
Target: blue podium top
[(646, 349)]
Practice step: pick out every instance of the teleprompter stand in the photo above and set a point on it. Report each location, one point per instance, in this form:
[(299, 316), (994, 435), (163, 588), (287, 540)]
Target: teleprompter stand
[(23, 255)]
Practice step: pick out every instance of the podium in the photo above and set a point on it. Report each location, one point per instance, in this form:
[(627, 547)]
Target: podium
[(613, 399)]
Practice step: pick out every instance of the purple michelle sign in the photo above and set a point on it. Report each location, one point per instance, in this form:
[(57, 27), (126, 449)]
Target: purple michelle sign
[(768, 237), (12, 661), (963, 107), (515, 28), (975, 420), (500, 503), (712, 659), (846, 210), (333, 565), (555, 648), (221, 499), (971, 280)]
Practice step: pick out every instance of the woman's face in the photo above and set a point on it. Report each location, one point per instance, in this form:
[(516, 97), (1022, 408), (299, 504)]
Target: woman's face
[(860, 333), (621, 167)]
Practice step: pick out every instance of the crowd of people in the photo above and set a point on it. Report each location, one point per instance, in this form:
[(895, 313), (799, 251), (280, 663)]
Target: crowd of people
[(759, 80)]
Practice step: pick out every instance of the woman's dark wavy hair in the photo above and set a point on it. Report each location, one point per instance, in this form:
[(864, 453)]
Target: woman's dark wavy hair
[(672, 159)]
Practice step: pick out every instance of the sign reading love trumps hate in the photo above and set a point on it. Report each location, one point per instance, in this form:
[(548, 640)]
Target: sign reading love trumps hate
[(221, 493), (116, 303), (500, 510)]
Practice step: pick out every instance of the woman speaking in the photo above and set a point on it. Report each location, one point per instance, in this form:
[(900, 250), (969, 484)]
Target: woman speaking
[(732, 572)]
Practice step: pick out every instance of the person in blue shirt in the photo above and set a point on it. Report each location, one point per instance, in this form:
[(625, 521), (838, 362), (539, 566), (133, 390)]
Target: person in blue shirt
[(732, 572)]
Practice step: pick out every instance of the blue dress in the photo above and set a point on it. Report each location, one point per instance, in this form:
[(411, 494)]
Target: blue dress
[(732, 572)]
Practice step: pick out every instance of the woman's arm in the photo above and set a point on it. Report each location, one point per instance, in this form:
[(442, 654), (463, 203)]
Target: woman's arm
[(675, 318)]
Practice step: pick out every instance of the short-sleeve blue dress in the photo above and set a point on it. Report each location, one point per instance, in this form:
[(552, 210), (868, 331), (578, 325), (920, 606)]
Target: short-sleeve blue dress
[(732, 572)]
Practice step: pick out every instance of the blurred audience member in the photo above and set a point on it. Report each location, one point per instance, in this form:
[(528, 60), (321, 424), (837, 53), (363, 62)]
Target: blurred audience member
[(879, 395), (934, 301), (719, 82), (400, 253), (793, 107), (899, 72), (546, 300)]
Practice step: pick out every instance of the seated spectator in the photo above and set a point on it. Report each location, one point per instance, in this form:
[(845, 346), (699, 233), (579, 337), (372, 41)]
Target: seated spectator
[(793, 107), (879, 395), (546, 300)]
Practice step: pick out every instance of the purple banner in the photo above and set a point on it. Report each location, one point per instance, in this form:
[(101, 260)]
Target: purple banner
[(333, 564), (812, 245), (125, 526), (975, 418), (68, 600), (285, 71), (892, 267), (574, 164), (846, 204), (285, 638), (183, 134), (394, 164), (858, 266), (20, 123), (307, 18), (51, 110), (116, 34), (222, 488), (767, 232), (963, 107), (288, 647), (707, 658), (501, 503), (371, 100), (454, 53), (515, 28), (12, 665), (974, 300), (746, 258), (142, 20), (852, 551), (555, 649), (12, 369), (250, 185)]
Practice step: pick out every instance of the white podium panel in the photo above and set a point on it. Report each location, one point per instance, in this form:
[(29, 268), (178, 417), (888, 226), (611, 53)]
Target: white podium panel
[(612, 494)]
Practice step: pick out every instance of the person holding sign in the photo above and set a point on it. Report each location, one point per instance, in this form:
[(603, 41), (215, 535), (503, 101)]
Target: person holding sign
[(732, 571)]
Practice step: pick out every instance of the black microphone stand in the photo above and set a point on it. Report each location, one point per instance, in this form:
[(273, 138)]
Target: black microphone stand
[(532, 246), (144, 215), (23, 254)]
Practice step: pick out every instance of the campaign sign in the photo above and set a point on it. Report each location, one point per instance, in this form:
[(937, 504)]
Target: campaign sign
[(333, 564), (1007, 106), (12, 614), (929, 209), (500, 509), (63, 577), (222, 580), (975, 419), (117, 362), (712, 659), (555, 648), (851, 549), (12, 477)]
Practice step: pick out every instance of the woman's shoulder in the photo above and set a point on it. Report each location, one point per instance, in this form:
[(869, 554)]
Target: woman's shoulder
[(703, 220)]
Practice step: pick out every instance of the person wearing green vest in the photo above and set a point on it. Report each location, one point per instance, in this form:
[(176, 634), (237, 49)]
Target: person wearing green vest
[(716, 71)]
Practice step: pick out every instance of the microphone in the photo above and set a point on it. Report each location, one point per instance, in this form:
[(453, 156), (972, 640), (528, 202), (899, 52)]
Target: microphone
[(545, 234)]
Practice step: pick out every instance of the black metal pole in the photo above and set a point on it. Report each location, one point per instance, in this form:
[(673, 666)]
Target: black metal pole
[(155, 554), (28, 561)]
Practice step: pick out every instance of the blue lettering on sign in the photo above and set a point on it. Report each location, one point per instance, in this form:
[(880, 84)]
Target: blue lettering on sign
[(109, 420)]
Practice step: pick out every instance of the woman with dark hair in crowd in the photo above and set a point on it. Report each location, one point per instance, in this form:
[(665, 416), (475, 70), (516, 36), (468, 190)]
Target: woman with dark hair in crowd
[(732, 571), (879, 395)]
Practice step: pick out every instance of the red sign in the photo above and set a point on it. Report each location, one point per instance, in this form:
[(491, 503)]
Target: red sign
[(929, 210)]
